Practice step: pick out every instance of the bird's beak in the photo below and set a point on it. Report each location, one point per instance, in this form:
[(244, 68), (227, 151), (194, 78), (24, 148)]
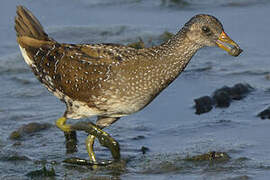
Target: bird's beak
[(225, 42)]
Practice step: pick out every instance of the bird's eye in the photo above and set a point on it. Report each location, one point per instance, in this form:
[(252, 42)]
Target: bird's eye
[(206, 30)]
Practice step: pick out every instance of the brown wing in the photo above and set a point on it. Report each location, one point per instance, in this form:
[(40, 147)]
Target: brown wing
[(78, 71)]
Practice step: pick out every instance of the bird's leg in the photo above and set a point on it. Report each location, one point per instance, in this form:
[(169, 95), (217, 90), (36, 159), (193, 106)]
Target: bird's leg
[(102, 122), (90, 147), (70, 135), (104, 138)]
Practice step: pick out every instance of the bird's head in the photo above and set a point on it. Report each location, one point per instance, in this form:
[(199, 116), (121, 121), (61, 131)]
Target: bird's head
[(206, 30)]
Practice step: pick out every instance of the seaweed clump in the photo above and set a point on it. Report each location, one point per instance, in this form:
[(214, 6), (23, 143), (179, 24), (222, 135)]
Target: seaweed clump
[(210, 156), (44, 172), (29, 129)]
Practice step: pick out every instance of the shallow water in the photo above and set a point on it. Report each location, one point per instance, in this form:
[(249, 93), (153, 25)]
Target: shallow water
[(169, 126)]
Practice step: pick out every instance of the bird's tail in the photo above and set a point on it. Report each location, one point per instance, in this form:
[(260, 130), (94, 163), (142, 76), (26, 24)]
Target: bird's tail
[(27, 25)]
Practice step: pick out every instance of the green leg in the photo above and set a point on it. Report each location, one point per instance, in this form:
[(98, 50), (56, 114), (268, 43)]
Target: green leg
[(104, 138), (90, 147), (61, 124), (70, 135)]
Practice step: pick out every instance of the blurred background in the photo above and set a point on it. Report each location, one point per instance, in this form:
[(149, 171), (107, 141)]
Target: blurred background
[(168, 127)]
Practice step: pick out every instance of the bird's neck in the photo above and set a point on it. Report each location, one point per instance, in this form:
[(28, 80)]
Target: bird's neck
[(179, 49), (174, 56)]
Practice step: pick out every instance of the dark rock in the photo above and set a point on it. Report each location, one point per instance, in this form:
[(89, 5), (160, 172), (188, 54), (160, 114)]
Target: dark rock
[(29, 129), (265, 114), (224, 89), (203, 104), (222, 97), (239, 91)]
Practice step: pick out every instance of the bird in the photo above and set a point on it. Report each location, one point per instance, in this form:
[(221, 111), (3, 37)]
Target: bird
[(110, 81)]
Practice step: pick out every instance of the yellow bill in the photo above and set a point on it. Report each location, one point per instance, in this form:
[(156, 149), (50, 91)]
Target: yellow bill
[(225, 42)]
